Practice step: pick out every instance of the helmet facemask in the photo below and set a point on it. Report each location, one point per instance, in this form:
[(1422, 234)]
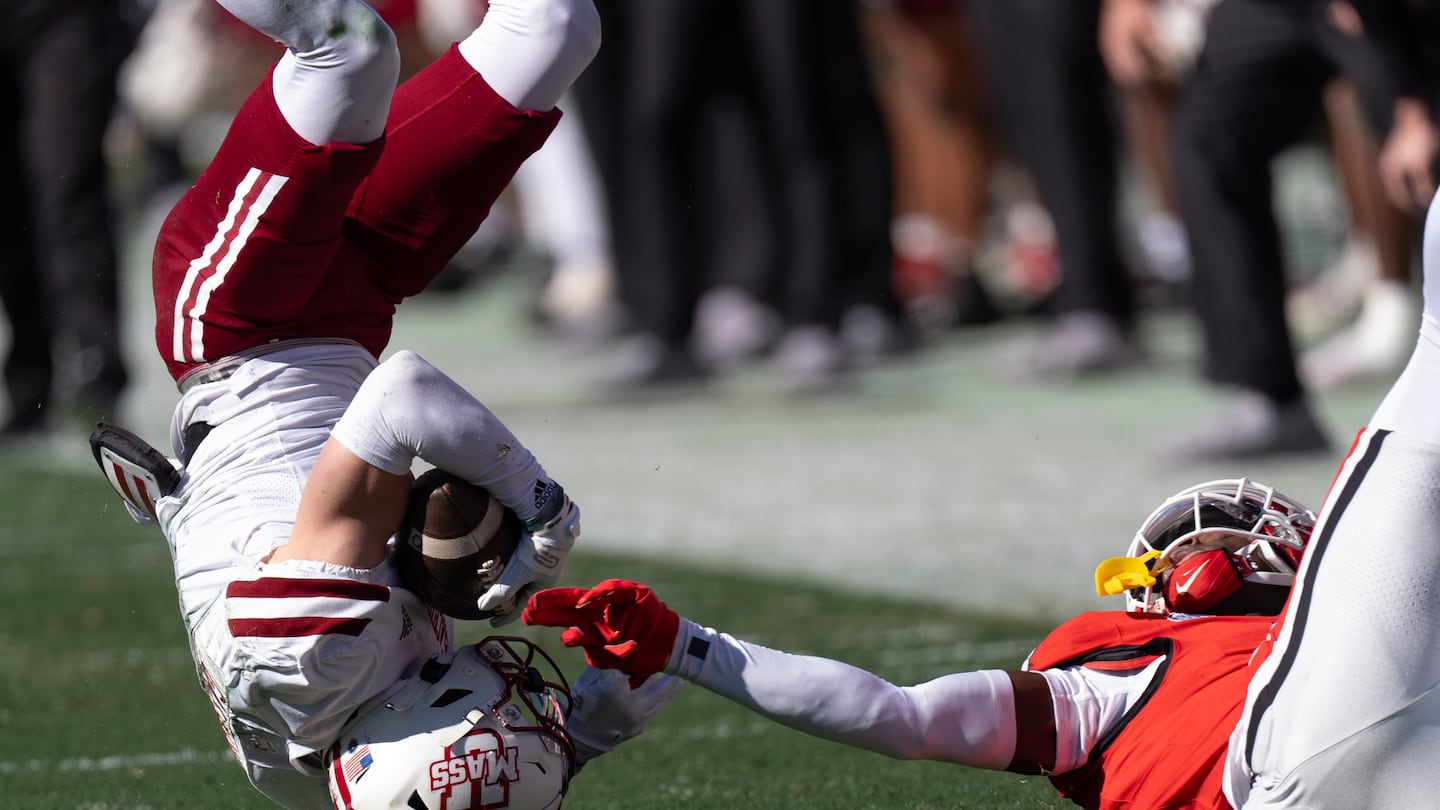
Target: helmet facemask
[(1258, 533), (547, 700)]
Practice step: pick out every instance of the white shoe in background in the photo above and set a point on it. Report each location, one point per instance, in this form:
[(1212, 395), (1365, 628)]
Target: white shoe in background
[(1377, 345), (731, 326), (580, 296), (809, 359), (1250, 425), (1334, 297)]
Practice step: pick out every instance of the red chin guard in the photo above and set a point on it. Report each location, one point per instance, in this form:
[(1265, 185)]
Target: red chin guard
[(1201, 581)]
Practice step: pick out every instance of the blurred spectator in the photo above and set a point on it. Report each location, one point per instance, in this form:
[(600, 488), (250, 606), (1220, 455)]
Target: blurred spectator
[(562, 208), (1148, 66), (1256, 89), (943, 149), (872, 317), (555, 205), (640, 119), (674, 85), (1150, 49), (1054, 98), (1364, 304), (1403, 33), (59, 278)]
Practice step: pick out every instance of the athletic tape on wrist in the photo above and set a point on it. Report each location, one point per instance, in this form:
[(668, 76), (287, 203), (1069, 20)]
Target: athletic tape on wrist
[(691, 650)]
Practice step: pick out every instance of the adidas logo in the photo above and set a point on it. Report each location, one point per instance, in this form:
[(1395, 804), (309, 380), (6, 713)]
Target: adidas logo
[(544, 490)]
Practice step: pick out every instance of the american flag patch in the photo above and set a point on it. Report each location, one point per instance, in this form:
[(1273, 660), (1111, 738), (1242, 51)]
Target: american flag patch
[(356, 762)]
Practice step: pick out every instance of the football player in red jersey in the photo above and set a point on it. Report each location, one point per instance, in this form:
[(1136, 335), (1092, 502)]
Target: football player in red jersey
[(1333, 705), (1104, 706), (334, 196)]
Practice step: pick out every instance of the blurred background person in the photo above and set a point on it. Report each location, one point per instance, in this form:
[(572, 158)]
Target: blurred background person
[(1256, 88), (1356, 318), (58, 277), (561, 204), (642, 122), (1148, 60), (554, 208), (1393, 183), (1053, 95), (1150, 47), (944, 152), (744, 157)]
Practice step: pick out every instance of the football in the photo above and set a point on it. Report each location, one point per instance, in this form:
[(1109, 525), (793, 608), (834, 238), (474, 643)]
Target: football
[(454, 543)]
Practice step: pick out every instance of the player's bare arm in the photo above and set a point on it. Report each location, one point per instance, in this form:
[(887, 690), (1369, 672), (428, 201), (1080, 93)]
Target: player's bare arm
[(348, 511)]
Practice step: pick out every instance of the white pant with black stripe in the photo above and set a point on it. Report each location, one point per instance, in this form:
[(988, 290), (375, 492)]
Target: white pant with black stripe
[(1345, 712)]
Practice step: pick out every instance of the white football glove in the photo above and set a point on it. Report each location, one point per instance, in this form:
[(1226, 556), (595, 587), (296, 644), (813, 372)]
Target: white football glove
[(605, 711), (535, 565)]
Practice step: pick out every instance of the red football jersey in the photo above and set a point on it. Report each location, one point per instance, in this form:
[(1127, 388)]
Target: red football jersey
[(1169, 750)]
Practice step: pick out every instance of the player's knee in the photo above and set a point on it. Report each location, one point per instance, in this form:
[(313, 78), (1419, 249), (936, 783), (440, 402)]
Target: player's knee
[(354, 38), (574, 24), (373, 49), (580, 23), (405, 368)]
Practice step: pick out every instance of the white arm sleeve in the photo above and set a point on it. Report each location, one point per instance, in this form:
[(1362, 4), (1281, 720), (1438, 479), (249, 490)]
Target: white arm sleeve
[(408, 409), (966, 718)]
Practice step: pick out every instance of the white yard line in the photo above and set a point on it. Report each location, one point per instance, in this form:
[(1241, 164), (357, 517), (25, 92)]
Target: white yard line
[(186, 756)]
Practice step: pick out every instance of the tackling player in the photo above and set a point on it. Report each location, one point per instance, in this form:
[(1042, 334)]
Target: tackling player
[(1120, 709), (1338, 708), (333, 197)]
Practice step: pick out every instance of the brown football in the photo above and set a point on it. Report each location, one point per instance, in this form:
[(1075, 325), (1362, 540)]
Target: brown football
[(454, 543)]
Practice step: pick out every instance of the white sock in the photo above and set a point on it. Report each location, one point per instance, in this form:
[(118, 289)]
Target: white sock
[(339, 70), (531, 51)]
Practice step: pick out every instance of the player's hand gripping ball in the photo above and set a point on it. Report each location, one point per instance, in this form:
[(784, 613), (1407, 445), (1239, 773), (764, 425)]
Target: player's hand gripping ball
[(454, 543)]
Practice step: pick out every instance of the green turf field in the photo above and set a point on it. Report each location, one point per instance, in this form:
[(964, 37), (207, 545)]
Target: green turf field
[(100, 707)]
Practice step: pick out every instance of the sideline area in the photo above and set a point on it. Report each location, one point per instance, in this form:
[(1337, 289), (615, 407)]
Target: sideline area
[(932, 477)]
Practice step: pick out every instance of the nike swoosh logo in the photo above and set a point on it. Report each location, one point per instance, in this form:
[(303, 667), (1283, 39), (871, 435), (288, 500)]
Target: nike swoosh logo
[(1184, 587)]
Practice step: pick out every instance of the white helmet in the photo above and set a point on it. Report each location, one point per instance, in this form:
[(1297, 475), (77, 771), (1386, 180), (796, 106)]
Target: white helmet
[(476, 728), (1230, 546)]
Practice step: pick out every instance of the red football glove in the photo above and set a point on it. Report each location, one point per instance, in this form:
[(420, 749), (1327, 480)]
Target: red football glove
[(620, 624)]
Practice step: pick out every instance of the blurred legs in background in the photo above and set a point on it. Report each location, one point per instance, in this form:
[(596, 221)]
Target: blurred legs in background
[(59, 278), (1054, 96), (1364, 307)]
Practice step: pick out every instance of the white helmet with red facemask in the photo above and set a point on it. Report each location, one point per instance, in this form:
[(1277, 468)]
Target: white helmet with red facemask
[(1226, 547), (480, 727)]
